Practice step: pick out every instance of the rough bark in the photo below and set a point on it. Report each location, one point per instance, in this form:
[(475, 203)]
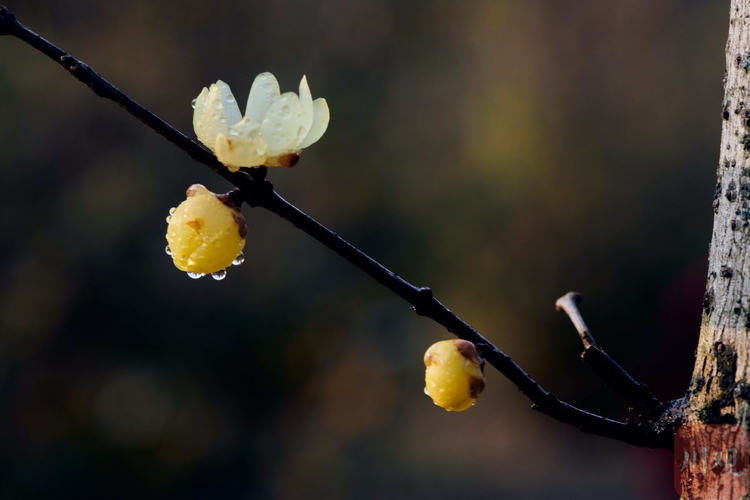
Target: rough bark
[(719, 391)]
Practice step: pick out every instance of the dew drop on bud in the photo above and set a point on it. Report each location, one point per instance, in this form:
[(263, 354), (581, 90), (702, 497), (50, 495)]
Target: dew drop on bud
[(171, 210), (195, 276), (219, 275), (239, 260), (168, 250), (169, 218), (426, 391), (193, 102)]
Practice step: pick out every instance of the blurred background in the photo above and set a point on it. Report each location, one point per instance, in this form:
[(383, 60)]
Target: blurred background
[(503, 152)]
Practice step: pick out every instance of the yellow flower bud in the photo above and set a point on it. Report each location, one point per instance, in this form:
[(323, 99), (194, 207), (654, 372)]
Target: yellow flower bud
[(454, 376), (206, 233)]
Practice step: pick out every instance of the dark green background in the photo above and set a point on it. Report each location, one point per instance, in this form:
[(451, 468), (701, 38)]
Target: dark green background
[(501, 152)]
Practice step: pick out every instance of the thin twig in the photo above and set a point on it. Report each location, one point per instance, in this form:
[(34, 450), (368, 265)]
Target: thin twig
[(569, 304), (257, 191), (635, 394)]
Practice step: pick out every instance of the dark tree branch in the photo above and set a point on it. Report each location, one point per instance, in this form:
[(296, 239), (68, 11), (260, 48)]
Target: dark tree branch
[(258, 192), (635, 394)]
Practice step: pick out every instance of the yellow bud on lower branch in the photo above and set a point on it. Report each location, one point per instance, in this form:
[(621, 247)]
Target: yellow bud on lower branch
[(206, 233), (454, 375)]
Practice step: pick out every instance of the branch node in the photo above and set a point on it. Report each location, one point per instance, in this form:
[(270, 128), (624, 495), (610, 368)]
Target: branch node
[(68, 62), (236, 196)]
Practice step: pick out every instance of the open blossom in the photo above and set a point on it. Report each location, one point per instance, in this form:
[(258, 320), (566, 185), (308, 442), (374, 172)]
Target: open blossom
[(274, 130)]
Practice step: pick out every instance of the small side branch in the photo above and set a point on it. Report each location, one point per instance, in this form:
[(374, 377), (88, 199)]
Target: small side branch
[(635, 394), (258, 192)]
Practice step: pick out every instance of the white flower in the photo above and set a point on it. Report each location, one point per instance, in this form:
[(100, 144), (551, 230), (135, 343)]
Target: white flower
[(274, 130)]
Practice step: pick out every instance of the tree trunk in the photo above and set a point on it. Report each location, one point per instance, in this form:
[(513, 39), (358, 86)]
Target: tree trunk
[(719, 391), (722, 364)]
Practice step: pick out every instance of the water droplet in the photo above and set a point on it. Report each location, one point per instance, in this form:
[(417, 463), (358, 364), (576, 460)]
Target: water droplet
[(286, 111), (171, 210), (426, 391), (169, 218), (193, 102), (168, 250), (267, 87), (222, 120), (233, 132), (195, 276), (217, 105), (219, 275), (239, 260), (230, 98), (474, 402)]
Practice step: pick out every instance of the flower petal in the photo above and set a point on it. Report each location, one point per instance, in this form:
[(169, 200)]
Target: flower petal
[(231, 109), (211, 119), (263, 93), (320, 123), (306, 102), (198, 125), (234, 152), (280, 128), (247, 128)]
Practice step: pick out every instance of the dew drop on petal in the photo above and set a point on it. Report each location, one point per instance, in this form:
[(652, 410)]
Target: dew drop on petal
[(195, 276), (193, 102), (267, 87), (219, 275), (426, 391), (230, 98), (222, 120), (171, 210), (233, 132), (168, 250), (169, 218), (239, 260)]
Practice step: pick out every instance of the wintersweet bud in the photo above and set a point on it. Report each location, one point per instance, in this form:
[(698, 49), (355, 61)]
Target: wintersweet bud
[(454, 376), (206, 233), (273, 132)]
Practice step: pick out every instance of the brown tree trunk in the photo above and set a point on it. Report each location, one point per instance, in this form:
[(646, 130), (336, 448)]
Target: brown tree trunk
[(722, 368), (719, 391)]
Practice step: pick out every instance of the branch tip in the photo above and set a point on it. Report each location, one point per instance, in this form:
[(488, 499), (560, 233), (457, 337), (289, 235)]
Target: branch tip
[(7, 19), (568, 303)]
